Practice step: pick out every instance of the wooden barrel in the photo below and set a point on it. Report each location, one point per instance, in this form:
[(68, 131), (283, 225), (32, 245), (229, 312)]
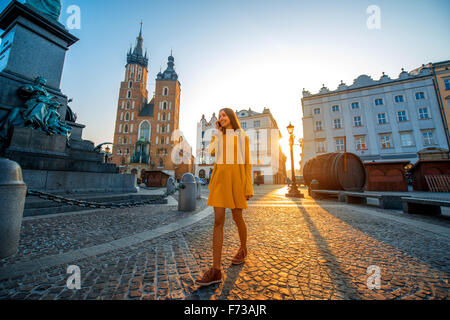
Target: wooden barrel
[(336, 171)]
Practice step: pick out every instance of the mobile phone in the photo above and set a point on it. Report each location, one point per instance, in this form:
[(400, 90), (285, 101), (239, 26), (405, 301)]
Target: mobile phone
[(218, 124)]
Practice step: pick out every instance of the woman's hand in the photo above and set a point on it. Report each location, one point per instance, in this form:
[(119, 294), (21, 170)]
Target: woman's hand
[(249, 197)]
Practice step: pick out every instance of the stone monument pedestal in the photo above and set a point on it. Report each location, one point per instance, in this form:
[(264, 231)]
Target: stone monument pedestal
[(32, 46), (35, 45)]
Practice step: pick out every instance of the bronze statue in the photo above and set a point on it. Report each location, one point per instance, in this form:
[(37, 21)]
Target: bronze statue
[(41, 112), (51, 8)]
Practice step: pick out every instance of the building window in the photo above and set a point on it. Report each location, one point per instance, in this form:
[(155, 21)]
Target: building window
[(257, 123), (164, 105), (360, 143), (340, 144), (320, 147), (130, 84), (165, 91), (386, 141), (355, 105), (428, 138), (382, 118), (401, 116), (144, 131), (129, 94), (406, 139), (125, 129), (420, 95), (447, 84), (357, 121), (423, 114), (127, 116), (318, 125), (335, 108), (163, 117), (316, 110), (125, 140), (379, 102), (128, 104), (244, 125), (399, 99), (337, 124), (119, 140)]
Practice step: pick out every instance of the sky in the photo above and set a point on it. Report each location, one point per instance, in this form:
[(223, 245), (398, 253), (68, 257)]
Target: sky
[(244, 54)]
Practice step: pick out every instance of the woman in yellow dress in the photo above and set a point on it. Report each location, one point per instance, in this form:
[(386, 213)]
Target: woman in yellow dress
[(230, 186)]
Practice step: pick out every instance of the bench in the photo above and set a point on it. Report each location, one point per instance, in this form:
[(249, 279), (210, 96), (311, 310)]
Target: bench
[(384, 201), (421, 205), (321, 194)]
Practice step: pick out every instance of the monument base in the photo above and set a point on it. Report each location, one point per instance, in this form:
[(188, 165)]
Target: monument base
[(79, 182)]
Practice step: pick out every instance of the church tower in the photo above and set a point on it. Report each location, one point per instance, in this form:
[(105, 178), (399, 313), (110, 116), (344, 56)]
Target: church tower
[(144, 129), (167, 109), (133, 97)]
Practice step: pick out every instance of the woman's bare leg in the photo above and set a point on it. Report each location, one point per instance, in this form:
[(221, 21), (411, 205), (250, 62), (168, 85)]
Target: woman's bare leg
[(242, 227), (219, 222)]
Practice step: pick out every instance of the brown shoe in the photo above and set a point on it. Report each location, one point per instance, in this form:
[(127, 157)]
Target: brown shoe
[(239, 258), (210, 277)]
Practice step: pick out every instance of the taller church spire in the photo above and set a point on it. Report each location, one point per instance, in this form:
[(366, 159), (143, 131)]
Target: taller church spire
[(136, 56)]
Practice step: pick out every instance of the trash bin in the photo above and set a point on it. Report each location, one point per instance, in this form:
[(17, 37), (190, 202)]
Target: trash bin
[(188, 193), (199, 187), (12, 198)]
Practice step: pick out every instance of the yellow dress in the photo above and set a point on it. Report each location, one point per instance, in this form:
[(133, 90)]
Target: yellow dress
[(231, 180)]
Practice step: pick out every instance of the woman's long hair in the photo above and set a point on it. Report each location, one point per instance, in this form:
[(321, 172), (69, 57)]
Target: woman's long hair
[(234, 121)]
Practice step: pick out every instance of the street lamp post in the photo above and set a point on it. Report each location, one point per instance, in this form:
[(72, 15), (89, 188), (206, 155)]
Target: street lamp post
[(293, 188)]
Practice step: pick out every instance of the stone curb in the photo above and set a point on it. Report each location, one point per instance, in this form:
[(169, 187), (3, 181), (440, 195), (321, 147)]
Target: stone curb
[(19, 269)]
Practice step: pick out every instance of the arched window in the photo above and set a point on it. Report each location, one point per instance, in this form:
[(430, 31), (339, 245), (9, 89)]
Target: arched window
[(163, 129), (129, 94), (144, 131), (165, 91), (125, 129), (127, 116), (164, 117), (130, 84), (124, 140), (128, 104), (164, 105)]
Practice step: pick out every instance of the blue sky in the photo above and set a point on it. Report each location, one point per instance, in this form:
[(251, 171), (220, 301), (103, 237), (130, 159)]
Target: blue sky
[(245, 53)]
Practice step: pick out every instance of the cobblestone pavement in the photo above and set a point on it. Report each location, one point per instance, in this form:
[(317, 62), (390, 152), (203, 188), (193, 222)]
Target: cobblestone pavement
[(298, 249)]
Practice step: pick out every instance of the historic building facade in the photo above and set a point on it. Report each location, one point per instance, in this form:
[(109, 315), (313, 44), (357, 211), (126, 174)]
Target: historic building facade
[(143, 135), (384, 120), (263, 133)]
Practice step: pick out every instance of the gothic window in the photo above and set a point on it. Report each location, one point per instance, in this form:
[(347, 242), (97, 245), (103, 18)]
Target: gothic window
[(129, 94), (164, 105), (127, 116), (144, 131), (125, 129), (165, 91), (128, 104)]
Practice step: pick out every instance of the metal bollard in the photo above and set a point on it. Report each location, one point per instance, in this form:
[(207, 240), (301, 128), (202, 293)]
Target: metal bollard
[(187, 193), (12, 197), (199, 187), (170, 185)]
